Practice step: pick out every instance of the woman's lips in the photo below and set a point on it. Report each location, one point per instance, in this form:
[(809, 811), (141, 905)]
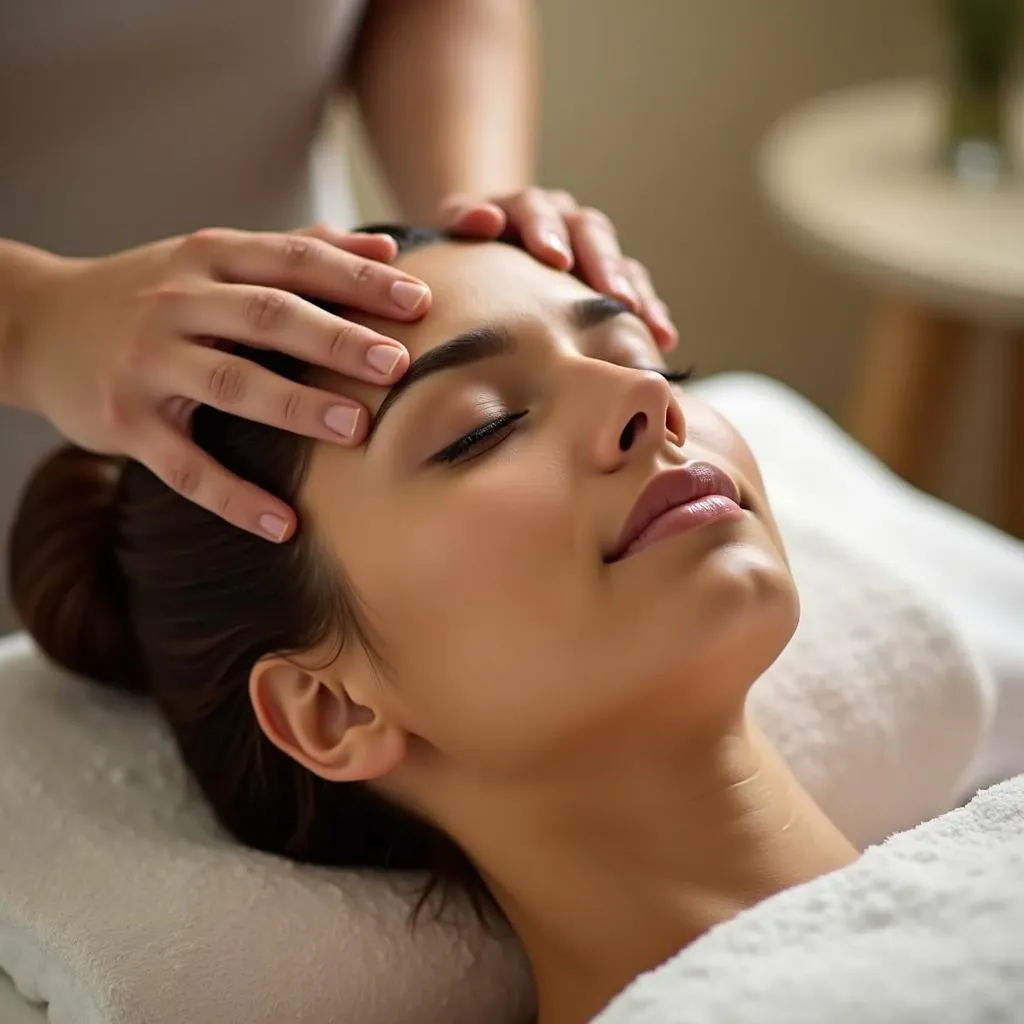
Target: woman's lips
[(689, 516), (674, 501)]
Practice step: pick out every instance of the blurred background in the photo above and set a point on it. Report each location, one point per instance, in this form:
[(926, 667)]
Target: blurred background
[(656, 113)]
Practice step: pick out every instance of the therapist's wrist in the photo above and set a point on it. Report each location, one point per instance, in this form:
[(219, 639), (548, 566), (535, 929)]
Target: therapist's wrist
[(24, 270)]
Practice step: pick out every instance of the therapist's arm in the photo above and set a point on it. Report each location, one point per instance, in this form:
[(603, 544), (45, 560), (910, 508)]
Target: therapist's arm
[(21, 267), (447, 92)]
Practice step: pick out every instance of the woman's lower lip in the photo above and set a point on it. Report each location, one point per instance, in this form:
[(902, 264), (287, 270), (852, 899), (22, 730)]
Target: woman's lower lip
[(712, 508)]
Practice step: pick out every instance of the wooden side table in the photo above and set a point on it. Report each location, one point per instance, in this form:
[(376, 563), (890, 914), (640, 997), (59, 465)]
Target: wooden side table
[(855, 172)]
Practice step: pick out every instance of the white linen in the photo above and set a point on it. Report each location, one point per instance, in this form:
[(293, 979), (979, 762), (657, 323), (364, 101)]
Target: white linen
[(927, 928)]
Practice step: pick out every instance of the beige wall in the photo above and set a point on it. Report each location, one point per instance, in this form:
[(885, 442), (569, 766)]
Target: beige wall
[(654, 109)]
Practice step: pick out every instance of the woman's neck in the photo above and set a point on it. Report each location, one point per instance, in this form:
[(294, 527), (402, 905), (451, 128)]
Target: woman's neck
[(608, 877)]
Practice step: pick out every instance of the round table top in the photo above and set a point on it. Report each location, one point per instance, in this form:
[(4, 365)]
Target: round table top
[(856, 171)]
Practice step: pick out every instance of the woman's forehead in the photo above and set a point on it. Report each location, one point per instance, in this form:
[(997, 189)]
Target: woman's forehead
[(474, 283)]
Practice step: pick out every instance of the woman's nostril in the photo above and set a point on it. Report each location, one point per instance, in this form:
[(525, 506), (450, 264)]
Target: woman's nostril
[(633, 429)]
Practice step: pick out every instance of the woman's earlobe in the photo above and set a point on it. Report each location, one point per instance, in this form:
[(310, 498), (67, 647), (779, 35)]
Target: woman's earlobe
[(309, 716)]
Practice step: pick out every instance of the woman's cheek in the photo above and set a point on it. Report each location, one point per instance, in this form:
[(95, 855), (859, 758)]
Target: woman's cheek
[(498, 529)]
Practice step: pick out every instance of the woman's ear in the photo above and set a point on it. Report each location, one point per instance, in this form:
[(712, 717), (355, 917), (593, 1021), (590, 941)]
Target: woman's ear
[(308, 714)]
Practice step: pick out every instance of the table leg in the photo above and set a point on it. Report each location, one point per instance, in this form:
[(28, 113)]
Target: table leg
[(1012, 476), (912, 361)]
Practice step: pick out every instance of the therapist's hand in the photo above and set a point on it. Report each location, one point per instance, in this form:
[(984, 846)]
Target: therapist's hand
[(118, 351), (555, 229)]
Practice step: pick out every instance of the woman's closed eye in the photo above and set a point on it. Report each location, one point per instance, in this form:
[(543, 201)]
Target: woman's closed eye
[(480, 440)]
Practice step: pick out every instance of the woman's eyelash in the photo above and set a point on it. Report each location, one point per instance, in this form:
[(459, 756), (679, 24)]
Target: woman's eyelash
[(677, 376), (495, 431)]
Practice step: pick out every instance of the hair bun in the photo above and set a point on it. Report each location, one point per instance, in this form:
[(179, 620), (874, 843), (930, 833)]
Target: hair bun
[(64, 578)]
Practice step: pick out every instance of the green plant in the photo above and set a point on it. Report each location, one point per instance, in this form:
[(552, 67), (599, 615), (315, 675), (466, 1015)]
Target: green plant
[(983, 41)]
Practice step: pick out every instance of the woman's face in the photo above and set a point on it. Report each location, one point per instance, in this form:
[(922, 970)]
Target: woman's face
[(483, 569)]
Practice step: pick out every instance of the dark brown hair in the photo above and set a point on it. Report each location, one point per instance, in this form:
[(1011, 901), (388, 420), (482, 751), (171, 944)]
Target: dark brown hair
[(120, 579)]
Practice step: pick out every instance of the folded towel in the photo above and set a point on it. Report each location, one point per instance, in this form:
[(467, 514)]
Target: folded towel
[(927, 928), (122, 901)]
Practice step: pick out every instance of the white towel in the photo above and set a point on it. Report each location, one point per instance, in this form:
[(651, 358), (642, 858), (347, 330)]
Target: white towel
[(927, 928)]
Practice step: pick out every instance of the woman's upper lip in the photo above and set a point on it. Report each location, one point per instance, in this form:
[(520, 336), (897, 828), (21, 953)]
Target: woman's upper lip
[(669, 489)]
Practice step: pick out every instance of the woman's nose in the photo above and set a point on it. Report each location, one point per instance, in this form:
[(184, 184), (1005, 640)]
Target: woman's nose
[(639, 415)]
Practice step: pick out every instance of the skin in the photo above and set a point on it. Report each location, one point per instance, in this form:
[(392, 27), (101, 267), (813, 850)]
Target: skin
[(578, 727)]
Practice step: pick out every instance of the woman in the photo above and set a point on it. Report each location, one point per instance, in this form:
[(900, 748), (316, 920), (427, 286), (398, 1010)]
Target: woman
[(131, 140), (511, 642)]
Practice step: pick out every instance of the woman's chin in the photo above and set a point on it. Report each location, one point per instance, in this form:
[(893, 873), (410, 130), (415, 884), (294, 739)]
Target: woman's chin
[(736, 615), (743, 574), (753, 574)]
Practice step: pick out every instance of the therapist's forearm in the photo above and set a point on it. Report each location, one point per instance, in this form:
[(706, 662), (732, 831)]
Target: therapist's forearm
[(21, 268), (447, 92)]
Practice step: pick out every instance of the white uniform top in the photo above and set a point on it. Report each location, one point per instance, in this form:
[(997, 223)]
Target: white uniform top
[(125, 121)]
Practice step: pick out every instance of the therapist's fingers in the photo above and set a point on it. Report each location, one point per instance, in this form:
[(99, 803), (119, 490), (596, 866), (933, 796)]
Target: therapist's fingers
[(371, 244), (534, 214), (306, 265), (472, 216), (564, 202), (276, 319), (599, 259), (652, 309), (535, 217), (184, 467), (241, 387)]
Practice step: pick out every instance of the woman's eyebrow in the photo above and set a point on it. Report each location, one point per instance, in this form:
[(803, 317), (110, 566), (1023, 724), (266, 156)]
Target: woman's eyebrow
[(486, 342), (469, 347), (594, 311)]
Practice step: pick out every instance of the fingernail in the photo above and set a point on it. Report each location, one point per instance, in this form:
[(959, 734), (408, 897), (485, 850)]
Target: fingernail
[(342, 419), (555, 241), (383, 358), (273, 526), (624, 290), (407, 295), (662, 316), (456, 213)]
